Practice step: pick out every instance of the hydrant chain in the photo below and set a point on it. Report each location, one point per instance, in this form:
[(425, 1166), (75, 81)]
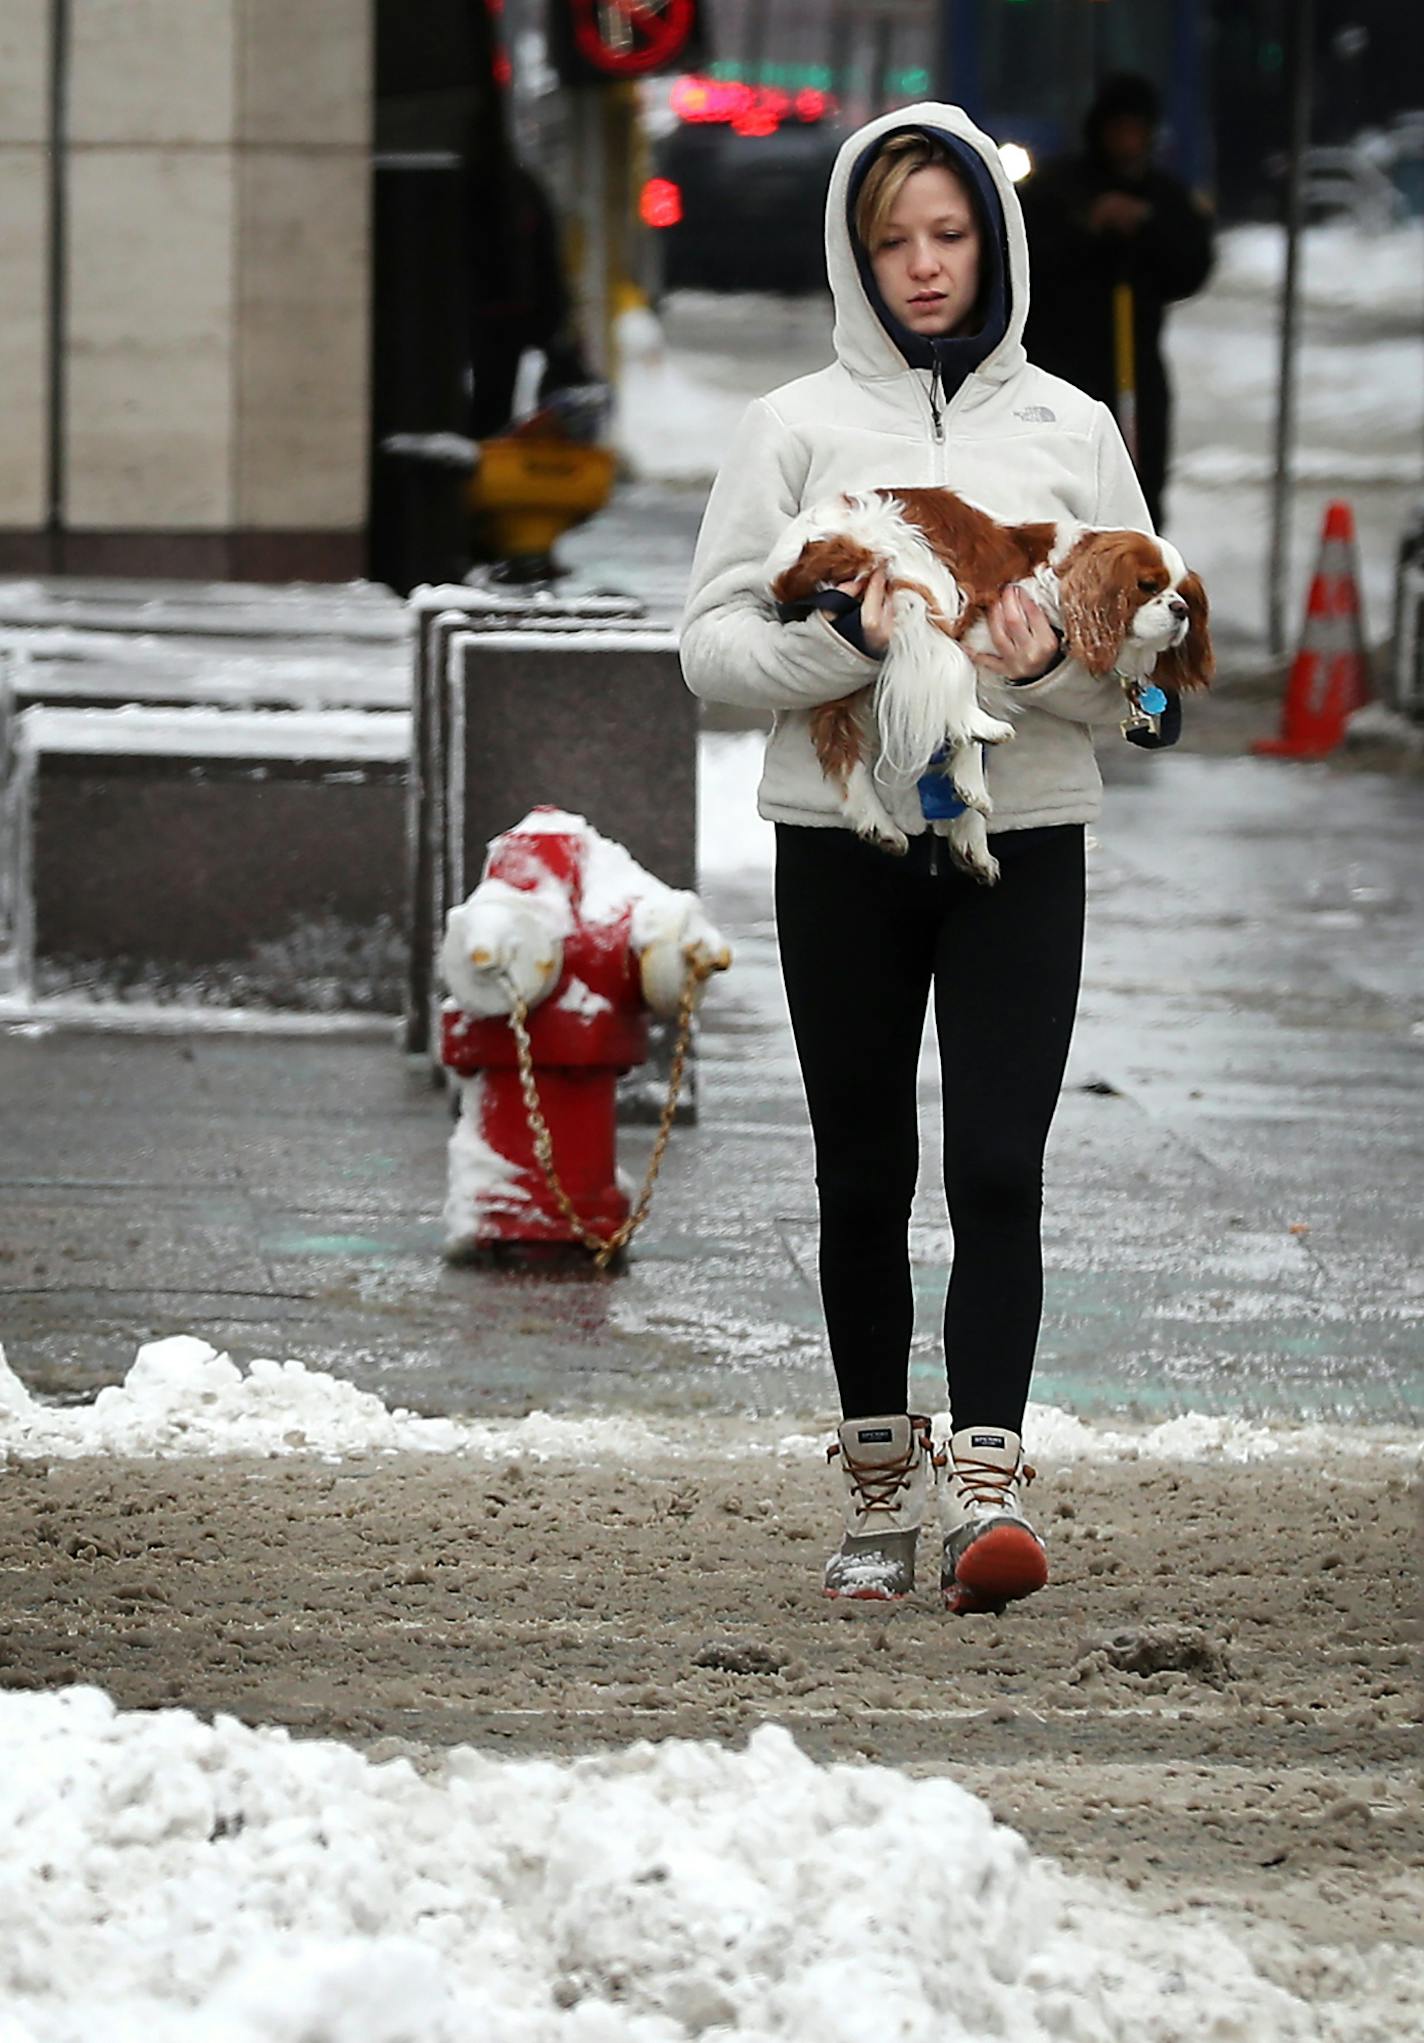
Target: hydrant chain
[(605, 1247)]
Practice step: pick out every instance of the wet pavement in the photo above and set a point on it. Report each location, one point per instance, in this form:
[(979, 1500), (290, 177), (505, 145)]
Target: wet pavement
[(1233, 1182)]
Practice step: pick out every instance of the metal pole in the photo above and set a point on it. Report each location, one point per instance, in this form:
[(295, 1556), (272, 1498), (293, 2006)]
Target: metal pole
[(942, 65), (590, 143), (1301, 23), (58, 271)]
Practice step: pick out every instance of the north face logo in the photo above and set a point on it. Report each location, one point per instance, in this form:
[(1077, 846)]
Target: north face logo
[(1037, 415)]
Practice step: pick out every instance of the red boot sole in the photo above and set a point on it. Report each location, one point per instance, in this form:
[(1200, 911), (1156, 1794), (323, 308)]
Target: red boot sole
[(999, 1568)]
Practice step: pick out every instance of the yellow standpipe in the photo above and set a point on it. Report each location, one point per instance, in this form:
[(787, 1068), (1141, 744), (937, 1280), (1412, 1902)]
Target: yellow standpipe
[(529, 491)]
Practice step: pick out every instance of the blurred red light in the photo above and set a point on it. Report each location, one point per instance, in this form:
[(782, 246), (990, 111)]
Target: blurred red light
[(503, 69), (661, 203), (748, 109), (689, 99)]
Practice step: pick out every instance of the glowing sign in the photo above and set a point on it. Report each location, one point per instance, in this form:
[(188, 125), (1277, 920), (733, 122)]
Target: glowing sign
[(747, 109)]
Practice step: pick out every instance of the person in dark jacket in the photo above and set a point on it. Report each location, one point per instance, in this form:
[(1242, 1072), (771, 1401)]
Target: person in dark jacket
[(519, 296), (1098, 222)]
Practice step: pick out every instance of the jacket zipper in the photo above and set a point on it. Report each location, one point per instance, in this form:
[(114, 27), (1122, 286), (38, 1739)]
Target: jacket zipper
[(936, 416)]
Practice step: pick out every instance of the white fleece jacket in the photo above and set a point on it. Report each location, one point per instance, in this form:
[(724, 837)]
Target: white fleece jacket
[(1023, 444)]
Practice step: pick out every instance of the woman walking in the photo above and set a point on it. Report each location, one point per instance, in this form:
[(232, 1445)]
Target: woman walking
[(928, 268)]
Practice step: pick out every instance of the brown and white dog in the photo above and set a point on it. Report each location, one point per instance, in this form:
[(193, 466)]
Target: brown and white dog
[(1125, 603)]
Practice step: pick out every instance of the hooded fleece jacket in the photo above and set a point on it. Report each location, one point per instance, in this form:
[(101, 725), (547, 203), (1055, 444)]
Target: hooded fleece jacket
[(1019, 442)]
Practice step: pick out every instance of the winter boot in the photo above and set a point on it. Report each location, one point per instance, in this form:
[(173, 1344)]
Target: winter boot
[(886, 1467), (991, 1553)]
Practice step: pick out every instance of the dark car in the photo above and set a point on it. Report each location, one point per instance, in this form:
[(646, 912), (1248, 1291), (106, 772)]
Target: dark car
[(753, 207)]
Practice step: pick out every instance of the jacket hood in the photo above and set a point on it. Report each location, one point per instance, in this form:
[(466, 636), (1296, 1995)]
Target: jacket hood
[(869, 343)]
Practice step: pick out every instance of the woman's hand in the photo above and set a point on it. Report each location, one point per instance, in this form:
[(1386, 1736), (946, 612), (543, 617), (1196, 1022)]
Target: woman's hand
[(1025, 643), (875, 616)]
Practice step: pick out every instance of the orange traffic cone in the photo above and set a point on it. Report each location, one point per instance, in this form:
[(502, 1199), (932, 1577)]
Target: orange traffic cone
[(1329, 677)]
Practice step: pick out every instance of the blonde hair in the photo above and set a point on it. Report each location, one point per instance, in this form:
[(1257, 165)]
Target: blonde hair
[(895, 164)]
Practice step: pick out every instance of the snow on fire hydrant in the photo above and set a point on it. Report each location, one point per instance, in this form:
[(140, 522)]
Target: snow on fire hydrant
[(553, 966)]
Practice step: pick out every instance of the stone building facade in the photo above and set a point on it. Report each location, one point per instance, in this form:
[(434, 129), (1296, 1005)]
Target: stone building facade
[(185, 259)]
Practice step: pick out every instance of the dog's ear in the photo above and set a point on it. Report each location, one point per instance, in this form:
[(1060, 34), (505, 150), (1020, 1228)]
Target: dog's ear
[(800, 578), (821, 563), (1193, 662), (1099, 596)]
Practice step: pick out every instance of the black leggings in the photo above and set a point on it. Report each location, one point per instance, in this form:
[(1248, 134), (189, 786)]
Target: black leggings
[(863, 937)]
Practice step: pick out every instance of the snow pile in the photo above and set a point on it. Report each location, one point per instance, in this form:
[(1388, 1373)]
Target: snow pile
[(182, 1397), (1341, 269), (1053, 1435), (168, 1878)]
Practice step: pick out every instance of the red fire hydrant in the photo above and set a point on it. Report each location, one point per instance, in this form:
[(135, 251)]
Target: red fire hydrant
[(567, 938)]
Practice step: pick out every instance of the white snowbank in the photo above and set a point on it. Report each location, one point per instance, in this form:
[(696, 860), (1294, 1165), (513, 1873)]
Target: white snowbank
[(166, 1878), (181, 1397), (731, 836), (1341, 269)]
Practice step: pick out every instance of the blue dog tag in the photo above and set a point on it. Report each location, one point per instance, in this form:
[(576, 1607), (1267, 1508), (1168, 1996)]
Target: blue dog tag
[(1151, 698)]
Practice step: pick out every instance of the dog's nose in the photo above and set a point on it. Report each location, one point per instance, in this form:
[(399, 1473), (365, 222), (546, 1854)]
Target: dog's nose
[(1177, 606)]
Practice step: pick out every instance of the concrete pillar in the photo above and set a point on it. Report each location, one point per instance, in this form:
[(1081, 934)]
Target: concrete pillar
[(24, 281), (214, 410)]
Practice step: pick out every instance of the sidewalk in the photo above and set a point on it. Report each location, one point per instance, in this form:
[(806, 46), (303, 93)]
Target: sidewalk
[(1232, 1183)]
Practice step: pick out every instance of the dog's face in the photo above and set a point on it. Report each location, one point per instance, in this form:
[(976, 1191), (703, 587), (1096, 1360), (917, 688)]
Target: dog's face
[(1124, 589)]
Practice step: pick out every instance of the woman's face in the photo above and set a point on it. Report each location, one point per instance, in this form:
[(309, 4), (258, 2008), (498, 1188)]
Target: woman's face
[(926, 260)]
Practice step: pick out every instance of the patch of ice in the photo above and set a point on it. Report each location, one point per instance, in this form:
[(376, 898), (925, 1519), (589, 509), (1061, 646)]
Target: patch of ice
[(167, 1878)]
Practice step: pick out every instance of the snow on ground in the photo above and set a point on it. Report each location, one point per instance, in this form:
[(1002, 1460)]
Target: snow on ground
[(1342, 269), (731, 836), (182, 1398), (165, 1877)]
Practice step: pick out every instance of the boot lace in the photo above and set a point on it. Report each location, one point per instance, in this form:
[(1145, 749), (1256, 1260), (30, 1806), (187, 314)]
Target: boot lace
[(877, 1485), (987, 1485)]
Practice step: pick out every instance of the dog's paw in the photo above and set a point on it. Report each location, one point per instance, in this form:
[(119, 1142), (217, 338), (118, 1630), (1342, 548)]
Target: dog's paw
[(969, 847), (988, 730), (978, 803), (885, 836), (966, 777)]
